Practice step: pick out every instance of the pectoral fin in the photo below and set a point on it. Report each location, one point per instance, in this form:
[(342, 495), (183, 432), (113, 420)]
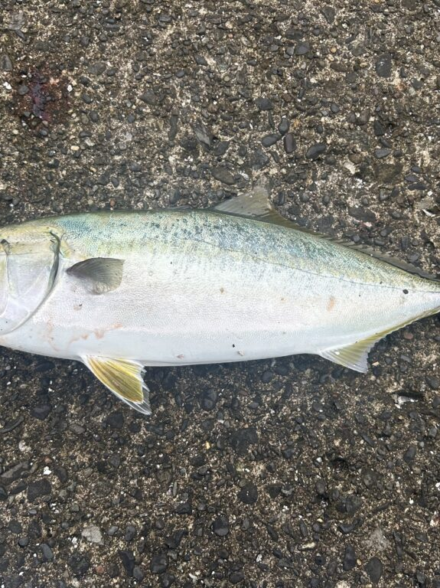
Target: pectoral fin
[(124, 378), (103, 274)]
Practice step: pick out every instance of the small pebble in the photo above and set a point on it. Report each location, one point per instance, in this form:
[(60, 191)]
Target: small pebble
[(264, 104), (349, 561), (383, 65), (270, 140), (316, 150), (159, 563), (382, 153), (374, 569), (221, 526), (289, 143)]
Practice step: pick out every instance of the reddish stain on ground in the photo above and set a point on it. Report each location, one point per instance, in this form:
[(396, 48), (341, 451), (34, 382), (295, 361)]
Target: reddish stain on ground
[(41, 96)]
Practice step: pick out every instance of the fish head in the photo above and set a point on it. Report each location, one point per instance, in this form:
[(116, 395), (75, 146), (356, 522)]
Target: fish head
[(29, 255)]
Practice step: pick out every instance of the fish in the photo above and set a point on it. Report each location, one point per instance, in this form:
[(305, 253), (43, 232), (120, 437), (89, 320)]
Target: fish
[(120, 291)]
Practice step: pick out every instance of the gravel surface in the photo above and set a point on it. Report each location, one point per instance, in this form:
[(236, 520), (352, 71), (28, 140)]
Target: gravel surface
[(287, 473)]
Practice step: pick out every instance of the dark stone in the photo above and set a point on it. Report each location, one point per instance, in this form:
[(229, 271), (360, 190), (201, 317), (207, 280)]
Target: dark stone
[(184, 508), (349, 561), (329, 13), (236, 577), (174, 540), (79, 564), (383, 65), (302, 48), (5, 63), (130, 533), (264, 104), (321, 487), (410, 454), (352, 504), (259, 159), (221, 148), (374, 569), (167, 580), (175, 196), (289, 143), (316, 150), (433, 382), (159, 563), (248, 494), (128, 561), (38, 489), (3, 493), (362, 214), (347, 528), (115, 420), (267, 376), (222, 174), (138, 574), (47, 552), (382, 153), (200, 60), (41, 412), (243, 438), (15, 527), (87, 98), (208, 399), (14, 473), (270, 140), (97, 68), (61, 473), (221, 526), (149, 97), (284, 126), (203, 135), (363, 118)]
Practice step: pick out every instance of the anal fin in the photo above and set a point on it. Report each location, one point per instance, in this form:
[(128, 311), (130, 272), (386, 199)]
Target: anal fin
[(123, 377), (353, 356)]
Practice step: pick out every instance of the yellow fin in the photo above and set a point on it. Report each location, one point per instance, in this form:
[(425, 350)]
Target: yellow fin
[(355, 356), (124, 378)]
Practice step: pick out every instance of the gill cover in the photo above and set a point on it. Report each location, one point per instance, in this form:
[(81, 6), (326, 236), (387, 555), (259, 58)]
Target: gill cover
[(28, 266)]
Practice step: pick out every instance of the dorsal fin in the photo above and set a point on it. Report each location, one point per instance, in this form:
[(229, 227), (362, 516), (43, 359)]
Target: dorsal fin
[(257, 205)]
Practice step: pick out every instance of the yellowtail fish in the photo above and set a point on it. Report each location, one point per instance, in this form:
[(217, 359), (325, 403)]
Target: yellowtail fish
[(123, 290)]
